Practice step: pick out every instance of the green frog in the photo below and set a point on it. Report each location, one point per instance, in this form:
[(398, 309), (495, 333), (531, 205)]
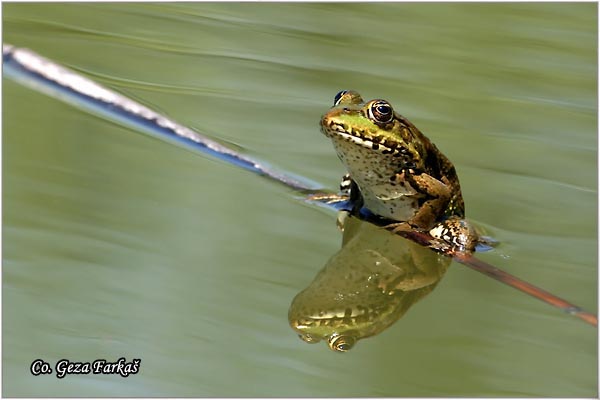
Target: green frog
[(396, 172), (365, 288)]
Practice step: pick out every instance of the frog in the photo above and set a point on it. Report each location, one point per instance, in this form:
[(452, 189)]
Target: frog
[(364, 288), (396, 172)]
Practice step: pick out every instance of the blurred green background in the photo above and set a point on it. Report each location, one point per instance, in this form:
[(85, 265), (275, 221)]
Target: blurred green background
[(119, 245)]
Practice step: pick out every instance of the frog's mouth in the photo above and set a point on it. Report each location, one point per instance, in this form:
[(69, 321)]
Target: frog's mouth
[(357, 136)]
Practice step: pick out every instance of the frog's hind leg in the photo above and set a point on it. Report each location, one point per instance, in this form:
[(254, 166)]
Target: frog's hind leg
[(459, 233), (438, 195)]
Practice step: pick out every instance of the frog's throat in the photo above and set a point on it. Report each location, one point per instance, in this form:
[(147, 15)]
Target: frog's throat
[(357, 136)]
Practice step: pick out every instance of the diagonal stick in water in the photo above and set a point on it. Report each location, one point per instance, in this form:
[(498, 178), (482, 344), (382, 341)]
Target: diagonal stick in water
[(43, 75), (508, 279)]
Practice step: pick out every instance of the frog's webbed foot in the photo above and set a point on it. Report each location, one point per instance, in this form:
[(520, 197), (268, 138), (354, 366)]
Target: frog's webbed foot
[(349, 192), (485, 243), (455, 234)]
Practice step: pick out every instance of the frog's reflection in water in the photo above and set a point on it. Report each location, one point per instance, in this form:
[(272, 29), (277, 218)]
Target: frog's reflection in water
[(365, 287)]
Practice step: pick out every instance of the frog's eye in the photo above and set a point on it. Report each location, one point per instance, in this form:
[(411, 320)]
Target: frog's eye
[(341, 343), (381, 111), (338, 97)]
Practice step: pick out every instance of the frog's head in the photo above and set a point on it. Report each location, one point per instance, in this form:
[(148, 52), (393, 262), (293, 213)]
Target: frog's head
[(341, 318), (312, 330), (370, 129)]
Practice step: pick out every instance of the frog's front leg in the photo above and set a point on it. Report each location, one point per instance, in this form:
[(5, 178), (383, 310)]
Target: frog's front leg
[(346, 185), (350, 191), (345, 193)]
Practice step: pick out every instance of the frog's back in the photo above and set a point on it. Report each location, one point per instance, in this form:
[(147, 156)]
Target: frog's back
[(436, 164)]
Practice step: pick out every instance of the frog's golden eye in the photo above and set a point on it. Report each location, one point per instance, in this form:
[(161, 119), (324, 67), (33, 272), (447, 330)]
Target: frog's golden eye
[(341, 343), (338, 97), (381, 112)]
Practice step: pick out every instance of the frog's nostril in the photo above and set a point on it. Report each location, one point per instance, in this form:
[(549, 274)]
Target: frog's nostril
[(308, 338)]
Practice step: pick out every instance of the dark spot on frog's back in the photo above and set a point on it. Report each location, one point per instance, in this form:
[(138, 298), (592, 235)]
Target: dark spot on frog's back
[(434, 161)]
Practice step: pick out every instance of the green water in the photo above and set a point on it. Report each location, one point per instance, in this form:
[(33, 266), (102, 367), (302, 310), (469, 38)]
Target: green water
[(118, 245)]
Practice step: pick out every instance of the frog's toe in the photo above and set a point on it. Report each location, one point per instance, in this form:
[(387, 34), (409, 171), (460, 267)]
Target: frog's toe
[(458, 233), (485, 243)]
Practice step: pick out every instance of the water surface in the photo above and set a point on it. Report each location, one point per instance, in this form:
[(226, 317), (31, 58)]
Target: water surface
[(119, 245)]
